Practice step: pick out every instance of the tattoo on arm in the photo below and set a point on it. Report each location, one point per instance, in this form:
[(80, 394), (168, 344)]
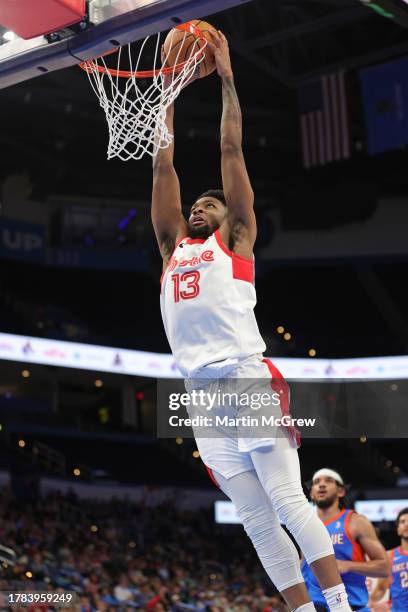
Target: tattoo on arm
[(231, 122)]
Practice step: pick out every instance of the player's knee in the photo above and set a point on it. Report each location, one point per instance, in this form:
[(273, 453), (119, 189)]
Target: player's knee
[(255, 520), (291, 505)]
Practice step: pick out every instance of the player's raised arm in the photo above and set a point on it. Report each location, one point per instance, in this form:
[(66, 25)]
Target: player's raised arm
[(168, 221), (236, 184)]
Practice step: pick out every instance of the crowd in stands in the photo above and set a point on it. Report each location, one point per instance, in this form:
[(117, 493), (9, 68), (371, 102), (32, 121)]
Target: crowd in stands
[(124, 557)]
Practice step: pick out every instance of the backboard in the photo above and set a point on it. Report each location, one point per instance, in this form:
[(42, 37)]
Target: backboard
[(109, 23)]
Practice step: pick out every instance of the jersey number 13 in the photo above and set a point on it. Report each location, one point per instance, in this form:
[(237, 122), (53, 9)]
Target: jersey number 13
[(191, 288)]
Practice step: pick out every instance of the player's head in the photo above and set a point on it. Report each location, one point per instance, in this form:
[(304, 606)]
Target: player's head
[(402, 524), (327, 489), (207, 213)]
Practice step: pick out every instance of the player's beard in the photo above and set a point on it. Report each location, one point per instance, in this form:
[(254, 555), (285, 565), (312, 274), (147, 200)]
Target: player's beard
[(202, 231), (326, 503)]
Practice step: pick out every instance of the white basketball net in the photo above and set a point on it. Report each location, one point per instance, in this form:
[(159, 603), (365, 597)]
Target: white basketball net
[(136, 110)]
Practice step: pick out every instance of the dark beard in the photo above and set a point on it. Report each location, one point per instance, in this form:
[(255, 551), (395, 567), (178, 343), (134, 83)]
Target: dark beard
[(326, 503), (203, 231)]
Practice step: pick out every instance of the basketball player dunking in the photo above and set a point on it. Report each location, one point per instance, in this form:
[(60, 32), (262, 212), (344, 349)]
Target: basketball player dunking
[(398, 582), (358, 551), (207, 302)]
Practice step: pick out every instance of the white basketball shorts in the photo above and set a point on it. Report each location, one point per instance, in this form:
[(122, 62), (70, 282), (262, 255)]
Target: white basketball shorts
[(227, 448)]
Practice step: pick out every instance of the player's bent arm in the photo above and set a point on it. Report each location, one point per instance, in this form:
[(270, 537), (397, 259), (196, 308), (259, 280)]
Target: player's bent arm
[(383, 584), (167, 217), (235, 180), (380, 589), (364, 533)]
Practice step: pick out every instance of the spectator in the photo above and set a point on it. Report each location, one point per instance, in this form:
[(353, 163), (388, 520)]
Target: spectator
[(153, 559), (122, 591)]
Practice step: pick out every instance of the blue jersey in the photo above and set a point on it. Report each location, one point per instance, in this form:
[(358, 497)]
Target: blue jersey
[(399, 585), (346, 549)]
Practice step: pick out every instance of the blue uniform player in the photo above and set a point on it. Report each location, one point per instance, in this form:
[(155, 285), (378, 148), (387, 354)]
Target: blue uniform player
[(398, 582), (357, 549)]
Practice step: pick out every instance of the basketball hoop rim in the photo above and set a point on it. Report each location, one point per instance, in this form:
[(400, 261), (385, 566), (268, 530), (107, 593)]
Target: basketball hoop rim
[(93, 66)]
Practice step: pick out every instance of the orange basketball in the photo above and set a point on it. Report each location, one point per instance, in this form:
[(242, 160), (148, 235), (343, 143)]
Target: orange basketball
[(180, 45)]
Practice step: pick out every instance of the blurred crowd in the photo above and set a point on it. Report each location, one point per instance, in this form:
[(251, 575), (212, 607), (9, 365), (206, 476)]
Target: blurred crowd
[(124, 557)]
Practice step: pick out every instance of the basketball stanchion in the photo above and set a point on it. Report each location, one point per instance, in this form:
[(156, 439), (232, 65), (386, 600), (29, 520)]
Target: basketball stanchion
[(135, 100)]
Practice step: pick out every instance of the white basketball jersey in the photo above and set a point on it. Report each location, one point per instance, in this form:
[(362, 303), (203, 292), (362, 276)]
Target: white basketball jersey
[(207, 303)]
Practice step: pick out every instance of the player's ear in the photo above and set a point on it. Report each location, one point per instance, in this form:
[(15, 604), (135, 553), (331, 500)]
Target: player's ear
[(341, 491)]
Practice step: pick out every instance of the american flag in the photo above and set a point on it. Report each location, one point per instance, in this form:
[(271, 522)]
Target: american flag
[(324, 121)]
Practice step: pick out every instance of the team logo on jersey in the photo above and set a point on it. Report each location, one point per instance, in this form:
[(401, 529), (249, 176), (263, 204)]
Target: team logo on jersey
[(193, 261), (337, 526)]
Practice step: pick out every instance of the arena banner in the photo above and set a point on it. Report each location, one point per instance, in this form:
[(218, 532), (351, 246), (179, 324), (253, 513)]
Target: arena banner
[(376, 510), (384, 93), (27, 242), (29, 349), (97, 258), (22, 241), (150, 497)]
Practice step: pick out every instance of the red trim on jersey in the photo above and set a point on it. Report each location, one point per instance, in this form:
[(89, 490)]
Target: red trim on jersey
[(165, 269), (221, 244), (357, 553), (195, 241), (279, 385), (178, 242), (390, 579), (335, 518), (401, 552), (392, 555), (242, 267), (211, 475), (226, 249)]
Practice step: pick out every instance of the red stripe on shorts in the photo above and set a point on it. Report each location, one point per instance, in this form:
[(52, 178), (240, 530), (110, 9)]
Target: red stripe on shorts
[(279, 385), (211, 475)]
